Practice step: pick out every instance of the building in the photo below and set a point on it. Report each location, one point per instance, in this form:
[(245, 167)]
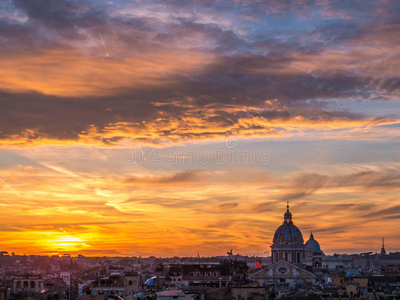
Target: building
[(211, 274), (4, 293), (313, 253), (27, 284), (249, 292), (288, 243), (66, 278), (289, 256), (171, 295), (113, 286)]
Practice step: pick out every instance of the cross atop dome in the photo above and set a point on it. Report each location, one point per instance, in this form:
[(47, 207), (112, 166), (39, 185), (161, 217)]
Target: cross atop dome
[(288, 216)]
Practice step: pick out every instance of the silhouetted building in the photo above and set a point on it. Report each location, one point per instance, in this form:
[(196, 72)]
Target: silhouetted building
[(288, 243), (288, 257)]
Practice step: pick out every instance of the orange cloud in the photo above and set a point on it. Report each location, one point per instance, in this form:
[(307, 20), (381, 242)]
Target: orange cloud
[(211, 124), (98, 215), (69, 72)]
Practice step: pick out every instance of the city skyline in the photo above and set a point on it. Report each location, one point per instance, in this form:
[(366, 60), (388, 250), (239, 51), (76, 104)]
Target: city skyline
[(171, 128)]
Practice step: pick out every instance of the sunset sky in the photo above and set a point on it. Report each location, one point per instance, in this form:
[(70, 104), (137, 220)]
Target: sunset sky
[(177, 127)]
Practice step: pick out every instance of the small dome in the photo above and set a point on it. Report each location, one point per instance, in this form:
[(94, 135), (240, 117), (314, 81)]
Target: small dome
[(288, 233), (312, 244)]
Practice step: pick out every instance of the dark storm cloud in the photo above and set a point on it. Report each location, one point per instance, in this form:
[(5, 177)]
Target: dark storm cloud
[(254, 78), (15, 34), (392, 85), (60, 15), (64, 118)]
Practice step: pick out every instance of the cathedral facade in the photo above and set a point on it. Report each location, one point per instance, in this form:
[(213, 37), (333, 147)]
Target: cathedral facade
[(291, 258), (288, 245)]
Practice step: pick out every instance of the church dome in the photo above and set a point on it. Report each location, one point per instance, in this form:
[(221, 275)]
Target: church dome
[(312, 244), (288, 233)]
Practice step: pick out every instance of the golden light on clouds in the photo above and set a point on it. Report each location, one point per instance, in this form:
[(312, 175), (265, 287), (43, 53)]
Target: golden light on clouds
[(67, 211), (194, 125), (72, 73)]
